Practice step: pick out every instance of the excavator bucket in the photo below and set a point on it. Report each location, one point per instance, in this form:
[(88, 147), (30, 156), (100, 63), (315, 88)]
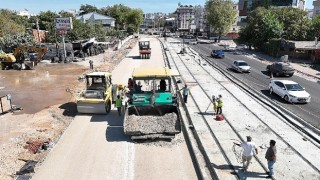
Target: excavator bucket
[(151, 122)]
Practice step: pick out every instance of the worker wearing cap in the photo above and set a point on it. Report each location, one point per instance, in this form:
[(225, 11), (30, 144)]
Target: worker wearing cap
[(249, 149)]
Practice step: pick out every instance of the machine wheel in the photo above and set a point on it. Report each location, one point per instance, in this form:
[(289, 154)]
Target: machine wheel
[(16, 66), (286, 98), (108, 107), (277, 74)]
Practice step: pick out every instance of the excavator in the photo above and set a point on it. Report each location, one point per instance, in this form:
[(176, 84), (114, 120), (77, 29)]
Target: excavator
[(99, 94), (151, 109), (22, 58)]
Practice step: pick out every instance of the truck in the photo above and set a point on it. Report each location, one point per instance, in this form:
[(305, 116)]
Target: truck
[(151, 110), (99, 94), (144, 49)]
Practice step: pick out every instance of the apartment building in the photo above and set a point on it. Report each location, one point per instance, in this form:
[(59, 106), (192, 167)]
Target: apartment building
[(245, 6), (316, 7), (185, 20)]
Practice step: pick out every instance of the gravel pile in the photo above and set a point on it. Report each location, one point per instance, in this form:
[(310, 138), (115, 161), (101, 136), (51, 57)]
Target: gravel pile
[(138, 125)]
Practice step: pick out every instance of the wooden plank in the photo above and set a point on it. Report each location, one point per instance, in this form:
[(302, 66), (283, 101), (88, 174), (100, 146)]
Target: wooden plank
[(5, 104)]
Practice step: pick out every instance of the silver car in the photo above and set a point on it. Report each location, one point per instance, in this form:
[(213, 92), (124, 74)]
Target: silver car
[(241, 66), (289, 91)]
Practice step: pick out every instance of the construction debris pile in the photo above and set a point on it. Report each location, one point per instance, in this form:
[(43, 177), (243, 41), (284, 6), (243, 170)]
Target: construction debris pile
[(138, 125), (35, 146), (88, 48), (79, 49)]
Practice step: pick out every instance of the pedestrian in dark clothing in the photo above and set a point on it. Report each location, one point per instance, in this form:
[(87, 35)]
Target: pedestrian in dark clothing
[(185, 93), (57, 49), (91, 64), (163, 85), (119, 104), (130, 84), (220, 104), (271, 156)]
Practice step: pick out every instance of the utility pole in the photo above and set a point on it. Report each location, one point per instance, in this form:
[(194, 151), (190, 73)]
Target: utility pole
[(38, 31)]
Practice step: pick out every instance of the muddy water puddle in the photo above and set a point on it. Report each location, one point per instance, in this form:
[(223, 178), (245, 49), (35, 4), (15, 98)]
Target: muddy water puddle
[(34, 90)]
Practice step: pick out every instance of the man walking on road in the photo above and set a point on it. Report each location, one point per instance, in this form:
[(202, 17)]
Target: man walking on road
[(185, 93), (249, 148), (119, 104), (271, 157), (91, 64)]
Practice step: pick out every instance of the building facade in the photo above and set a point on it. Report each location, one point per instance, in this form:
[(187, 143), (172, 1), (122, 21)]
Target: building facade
[(316, 7), (200, 19), (185, 18), (245, 6)]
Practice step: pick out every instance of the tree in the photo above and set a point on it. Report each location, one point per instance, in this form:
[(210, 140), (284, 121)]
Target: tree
[(296, 23), (46, 22), (119, 12), (85, 9), (134, 18), (65, 14), (220, 15), (262, 26), (315, 26), (11, 24)]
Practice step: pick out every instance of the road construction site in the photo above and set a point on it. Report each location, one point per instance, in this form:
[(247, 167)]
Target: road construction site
[(245, 115), (96, 145)]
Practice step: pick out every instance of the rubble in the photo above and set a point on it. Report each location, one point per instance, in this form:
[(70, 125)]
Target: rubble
[(27, 168), (137, 125), (35, 146)]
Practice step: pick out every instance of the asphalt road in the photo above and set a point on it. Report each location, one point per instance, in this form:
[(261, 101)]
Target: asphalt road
[(95, 146), (259, 80)]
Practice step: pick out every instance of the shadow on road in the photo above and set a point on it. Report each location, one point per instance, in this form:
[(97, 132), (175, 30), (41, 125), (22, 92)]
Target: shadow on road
[(114, 131), (273, 96), (70, 109), (135, 57), (267, 73)]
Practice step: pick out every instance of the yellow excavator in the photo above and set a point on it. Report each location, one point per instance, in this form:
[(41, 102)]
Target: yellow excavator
[(23, 57), (99, 94)]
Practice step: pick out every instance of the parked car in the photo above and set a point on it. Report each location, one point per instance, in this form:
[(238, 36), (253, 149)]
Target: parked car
[(290, 91), (217, 53), (241, 66), (280, 69)]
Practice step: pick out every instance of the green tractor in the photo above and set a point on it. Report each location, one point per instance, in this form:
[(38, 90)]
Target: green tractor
[(151, 110)]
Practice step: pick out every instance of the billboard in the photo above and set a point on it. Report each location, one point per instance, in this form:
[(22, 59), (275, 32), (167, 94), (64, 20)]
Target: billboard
[(63, 23)]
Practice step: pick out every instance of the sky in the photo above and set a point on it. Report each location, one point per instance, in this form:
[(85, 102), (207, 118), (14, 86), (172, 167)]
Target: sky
[(148, 6)]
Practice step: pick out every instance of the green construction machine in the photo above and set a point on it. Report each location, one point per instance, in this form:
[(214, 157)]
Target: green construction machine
[(152, 110)]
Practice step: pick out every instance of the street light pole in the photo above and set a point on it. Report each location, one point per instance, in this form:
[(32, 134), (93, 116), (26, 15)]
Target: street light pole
[(38, 31)]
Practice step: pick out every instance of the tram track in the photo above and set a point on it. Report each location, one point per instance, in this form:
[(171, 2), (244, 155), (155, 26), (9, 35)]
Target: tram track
[(204, 90)]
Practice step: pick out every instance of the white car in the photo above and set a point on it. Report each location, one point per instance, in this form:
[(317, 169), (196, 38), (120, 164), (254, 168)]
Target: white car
[(241, 66), (290, 91), (193, 42)]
